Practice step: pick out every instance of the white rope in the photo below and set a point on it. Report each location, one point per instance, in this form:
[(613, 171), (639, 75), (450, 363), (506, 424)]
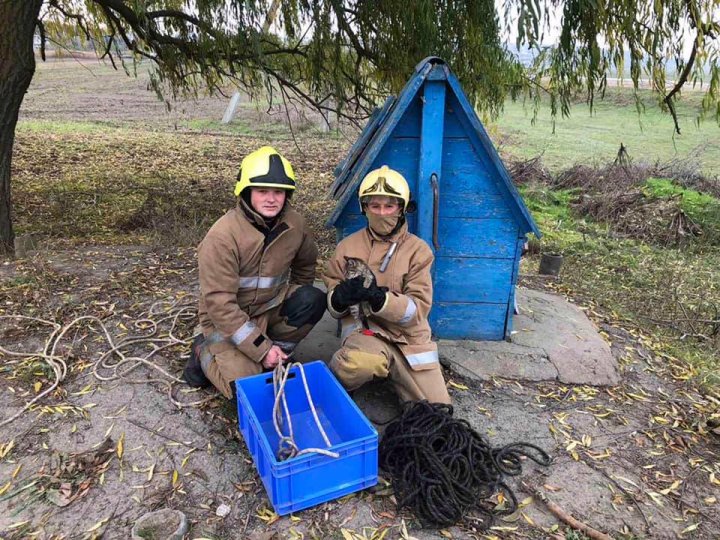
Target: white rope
[(287, 446), (175, 312)]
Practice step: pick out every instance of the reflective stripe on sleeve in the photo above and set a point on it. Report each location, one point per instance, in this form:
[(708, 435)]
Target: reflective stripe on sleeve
[(242, 333), (421, 359), (409, 312)]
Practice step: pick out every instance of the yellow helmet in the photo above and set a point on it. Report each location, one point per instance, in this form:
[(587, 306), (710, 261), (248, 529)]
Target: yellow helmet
[(265, 167), (387, 182)]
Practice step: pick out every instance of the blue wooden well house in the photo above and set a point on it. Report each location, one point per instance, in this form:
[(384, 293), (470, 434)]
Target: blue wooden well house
[(468, 210)]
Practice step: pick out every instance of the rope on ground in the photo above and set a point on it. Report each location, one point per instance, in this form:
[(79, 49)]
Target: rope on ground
[(119, 360), (287, 446), (441, 468)]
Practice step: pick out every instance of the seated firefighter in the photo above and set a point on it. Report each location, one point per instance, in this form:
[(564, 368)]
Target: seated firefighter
[(256, 265), (393, 340)]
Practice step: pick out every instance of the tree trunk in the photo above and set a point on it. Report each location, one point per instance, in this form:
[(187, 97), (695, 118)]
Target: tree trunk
[(17, 67)]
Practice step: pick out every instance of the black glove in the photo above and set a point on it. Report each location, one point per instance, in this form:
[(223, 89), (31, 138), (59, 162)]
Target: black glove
[(348, 293), (375, 296)]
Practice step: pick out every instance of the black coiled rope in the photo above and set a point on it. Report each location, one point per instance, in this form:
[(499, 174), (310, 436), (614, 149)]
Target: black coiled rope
[(441, 468)]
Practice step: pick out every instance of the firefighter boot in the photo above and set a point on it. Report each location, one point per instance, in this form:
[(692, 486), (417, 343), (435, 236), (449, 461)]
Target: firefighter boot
[(193, 373)]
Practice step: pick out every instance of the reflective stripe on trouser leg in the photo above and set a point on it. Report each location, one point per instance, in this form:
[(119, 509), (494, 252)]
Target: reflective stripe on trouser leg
[(205, 355), (423, 358), (412, 385)]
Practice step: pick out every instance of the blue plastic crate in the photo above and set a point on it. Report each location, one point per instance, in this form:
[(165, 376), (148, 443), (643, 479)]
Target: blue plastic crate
[(310, 479)]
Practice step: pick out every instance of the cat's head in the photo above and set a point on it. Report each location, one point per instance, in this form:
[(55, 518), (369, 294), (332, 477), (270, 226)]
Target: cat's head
[(353, 265)]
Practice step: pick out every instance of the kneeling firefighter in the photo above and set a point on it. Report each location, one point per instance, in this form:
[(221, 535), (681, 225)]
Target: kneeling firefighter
[(395, 341), (257, 267)]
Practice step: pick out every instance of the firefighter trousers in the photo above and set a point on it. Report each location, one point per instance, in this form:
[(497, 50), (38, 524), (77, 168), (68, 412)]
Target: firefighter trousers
[(363, 358), (285, 325)]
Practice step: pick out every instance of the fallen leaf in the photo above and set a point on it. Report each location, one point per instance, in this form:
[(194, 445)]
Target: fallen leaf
[(6, 448), (120, 446), (98, 525)]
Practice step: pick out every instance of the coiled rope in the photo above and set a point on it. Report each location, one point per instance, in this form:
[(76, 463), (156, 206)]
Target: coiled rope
[(441, 468), (287, 446)]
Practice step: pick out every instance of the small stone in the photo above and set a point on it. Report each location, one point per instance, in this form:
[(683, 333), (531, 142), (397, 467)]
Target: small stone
[(222, 510)]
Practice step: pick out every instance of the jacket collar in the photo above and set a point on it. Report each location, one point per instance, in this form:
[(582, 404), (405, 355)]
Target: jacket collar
[(398, 236), (256, 219)]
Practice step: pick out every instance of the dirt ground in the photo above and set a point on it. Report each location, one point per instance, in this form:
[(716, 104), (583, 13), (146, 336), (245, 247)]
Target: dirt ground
[(119, 438), (636, 460)]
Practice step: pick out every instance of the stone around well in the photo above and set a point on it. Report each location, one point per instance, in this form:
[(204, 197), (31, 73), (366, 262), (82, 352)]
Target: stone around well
[(552, 339)]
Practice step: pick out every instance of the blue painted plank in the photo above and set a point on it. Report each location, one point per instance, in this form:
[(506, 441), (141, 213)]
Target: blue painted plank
[(513, 278), (484, 145), (495, 238), (352, 222), (401, 155), (409, 124), (468, 189), (453, 128), (461, 279), (378, 140), (431, 155), (468, 321), (439, 72)]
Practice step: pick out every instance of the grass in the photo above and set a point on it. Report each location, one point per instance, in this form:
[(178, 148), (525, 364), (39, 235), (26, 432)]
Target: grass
[(654, 288), (593, 138)]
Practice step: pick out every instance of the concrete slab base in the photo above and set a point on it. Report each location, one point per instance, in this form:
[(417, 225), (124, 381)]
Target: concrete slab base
[(552, 340)]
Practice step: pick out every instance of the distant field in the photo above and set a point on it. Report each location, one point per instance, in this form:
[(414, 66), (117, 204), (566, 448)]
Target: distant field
[(68, 93), (589, 139)]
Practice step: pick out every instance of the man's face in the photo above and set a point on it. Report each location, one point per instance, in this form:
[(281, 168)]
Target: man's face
[(381, 205), (267, 201)]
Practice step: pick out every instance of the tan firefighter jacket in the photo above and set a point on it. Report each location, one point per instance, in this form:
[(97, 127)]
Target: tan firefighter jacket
[(244, 273), (403, 319)]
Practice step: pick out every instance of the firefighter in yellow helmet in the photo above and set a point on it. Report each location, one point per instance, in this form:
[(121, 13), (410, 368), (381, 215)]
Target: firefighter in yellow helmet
[(393, 341), (257, 267)]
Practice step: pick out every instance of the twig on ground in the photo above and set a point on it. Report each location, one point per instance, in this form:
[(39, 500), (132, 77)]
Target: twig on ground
[(566, 518), (162, 435), (626, 492)]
